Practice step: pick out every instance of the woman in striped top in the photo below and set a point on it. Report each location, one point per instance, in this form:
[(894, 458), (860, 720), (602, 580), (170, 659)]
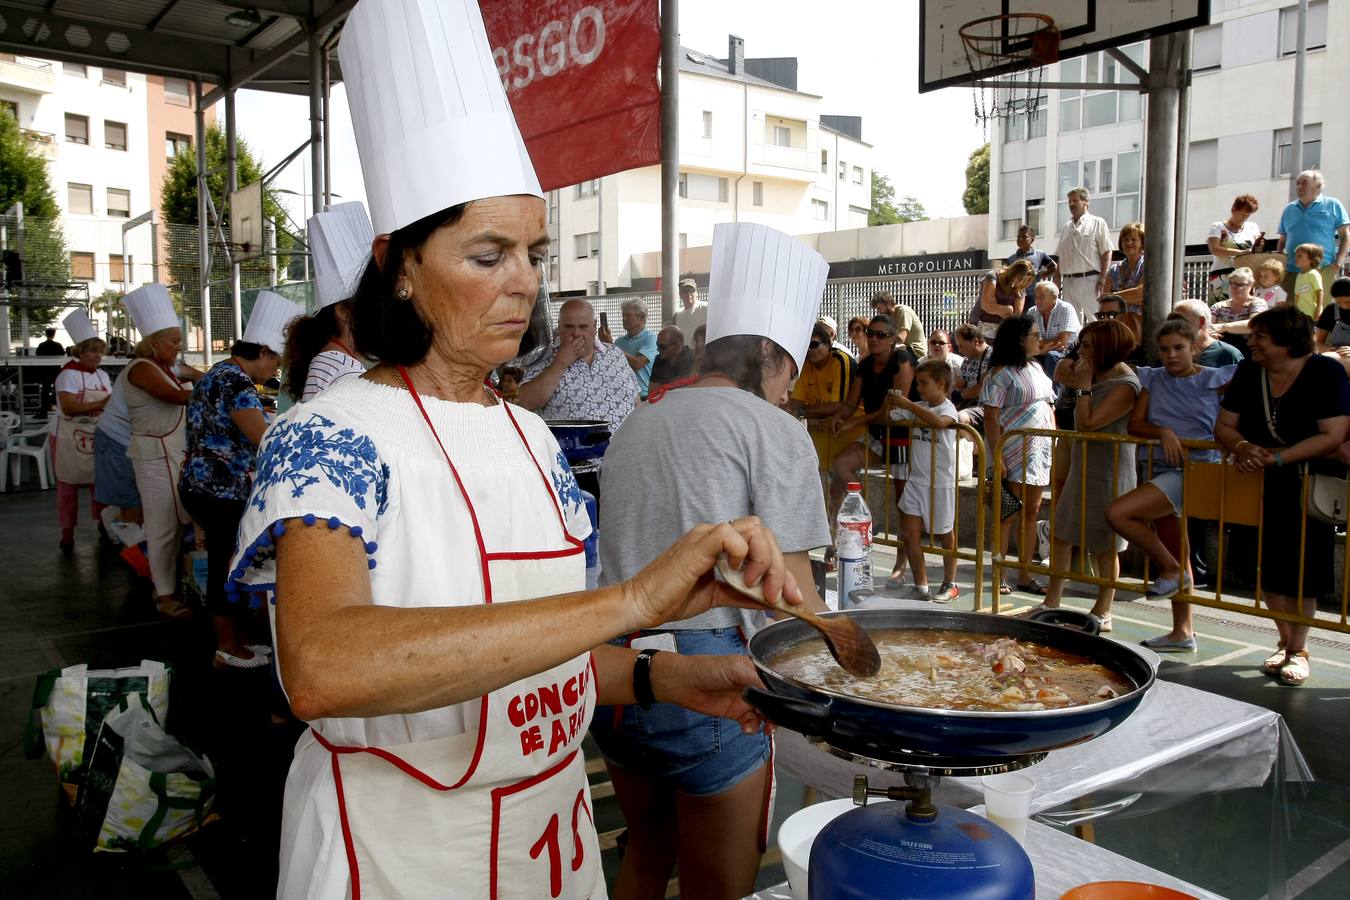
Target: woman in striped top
[(1018, 394), (318, 351)]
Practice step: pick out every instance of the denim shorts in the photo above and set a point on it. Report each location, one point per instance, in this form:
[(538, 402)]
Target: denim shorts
[(695, 754), (1168, 480)]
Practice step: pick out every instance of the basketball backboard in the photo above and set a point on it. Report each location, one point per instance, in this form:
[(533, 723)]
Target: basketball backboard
[(246, 223), (1084, 26)]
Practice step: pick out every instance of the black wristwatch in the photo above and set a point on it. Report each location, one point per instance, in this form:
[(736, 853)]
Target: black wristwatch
[(642, 678)]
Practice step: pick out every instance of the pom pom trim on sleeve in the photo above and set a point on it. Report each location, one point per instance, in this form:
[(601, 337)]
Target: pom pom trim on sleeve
[(262, 551)]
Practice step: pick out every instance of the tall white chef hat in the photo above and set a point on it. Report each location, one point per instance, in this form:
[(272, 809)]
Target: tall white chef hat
[(78, 326), (766, 283), (267, 324), (151, 309), (433, 125), (339, 242)]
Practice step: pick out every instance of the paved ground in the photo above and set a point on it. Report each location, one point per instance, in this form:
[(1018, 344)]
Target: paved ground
[(57, 610)]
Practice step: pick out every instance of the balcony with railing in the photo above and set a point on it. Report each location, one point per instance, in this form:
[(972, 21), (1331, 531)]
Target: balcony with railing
[(790, 162), (42, 141), (36, 76)]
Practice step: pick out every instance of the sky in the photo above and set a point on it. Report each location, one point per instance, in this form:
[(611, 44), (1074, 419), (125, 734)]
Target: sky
[(861, 56)]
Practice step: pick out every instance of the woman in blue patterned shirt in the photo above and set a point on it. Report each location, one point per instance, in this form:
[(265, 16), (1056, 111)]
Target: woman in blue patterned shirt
[(225, 423)]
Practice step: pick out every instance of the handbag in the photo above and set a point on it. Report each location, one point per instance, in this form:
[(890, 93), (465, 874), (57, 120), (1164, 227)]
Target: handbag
[(1009, 504), (1327, 492)]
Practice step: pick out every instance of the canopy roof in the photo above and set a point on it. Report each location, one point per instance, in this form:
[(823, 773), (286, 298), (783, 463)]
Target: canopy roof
[(265, 48)]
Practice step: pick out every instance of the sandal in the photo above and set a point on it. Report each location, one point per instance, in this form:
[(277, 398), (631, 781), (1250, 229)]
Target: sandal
[(1275, 661), (1296, 670), (1033, 587), (225, 660), (1004, 589), (173, 608)]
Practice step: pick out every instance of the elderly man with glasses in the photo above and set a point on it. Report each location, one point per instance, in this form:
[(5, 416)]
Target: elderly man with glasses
[(673, 359)]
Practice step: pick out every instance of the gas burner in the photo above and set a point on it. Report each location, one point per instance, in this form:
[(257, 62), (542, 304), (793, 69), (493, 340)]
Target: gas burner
[(894, 760)]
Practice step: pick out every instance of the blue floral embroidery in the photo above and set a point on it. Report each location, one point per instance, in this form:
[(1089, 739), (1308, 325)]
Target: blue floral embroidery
[(302, 453), (565, 486)]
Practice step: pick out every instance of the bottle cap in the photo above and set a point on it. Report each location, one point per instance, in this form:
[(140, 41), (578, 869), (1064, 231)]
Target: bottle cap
[(855, 486)]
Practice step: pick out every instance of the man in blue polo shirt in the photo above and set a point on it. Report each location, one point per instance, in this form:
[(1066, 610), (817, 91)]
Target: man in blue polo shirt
[(1314, 218), (637, 343)]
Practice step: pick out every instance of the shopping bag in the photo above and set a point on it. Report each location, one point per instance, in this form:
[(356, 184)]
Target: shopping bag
[(69, 705), (142, 788)]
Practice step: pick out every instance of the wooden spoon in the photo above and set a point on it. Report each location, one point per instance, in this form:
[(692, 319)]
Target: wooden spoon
[(848, 643)]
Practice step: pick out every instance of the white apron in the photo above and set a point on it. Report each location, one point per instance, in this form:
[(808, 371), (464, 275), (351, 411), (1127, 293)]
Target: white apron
[(501, 812), (75, 440)]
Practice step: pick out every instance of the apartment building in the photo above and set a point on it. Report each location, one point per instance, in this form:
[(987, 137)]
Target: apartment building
[(108, 136), (753, 148), (1241, 108)]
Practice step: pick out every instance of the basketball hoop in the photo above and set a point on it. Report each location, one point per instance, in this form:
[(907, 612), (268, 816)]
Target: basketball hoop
[(1015, 42)]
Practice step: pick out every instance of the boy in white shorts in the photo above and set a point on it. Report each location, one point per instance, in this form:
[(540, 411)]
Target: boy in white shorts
[(929, 499)]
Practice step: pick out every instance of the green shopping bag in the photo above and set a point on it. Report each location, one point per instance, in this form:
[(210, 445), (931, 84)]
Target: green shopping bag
[(71, 703), (142, 788)]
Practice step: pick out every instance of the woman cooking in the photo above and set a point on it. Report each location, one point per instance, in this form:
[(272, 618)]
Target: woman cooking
[(82, 390), (429, 537), (156, 397), (693, 794), (319, 347)]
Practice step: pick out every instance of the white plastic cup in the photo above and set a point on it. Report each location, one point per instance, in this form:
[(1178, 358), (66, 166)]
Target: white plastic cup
[(1007, 802)]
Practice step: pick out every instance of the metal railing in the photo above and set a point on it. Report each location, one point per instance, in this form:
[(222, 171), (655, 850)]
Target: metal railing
[(1211, 491)]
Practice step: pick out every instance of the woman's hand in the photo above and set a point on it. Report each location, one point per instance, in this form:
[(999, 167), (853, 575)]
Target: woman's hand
[(1248, 457), (835, 424), (1079, 374), (710, 685), (679, 583), (1173, 452)]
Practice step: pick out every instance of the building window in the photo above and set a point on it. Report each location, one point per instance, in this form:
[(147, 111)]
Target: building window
[(80, 198), (857, 175), (177, 91), (77, 129), (1317, 28), (76, 69), (707, 123), (1207, 48), (824, 162), (11, 107), (757, 192), (119, 203), (858, 217), (116, 271), (553, 267), (1114, 183), (587, 245), (710, 188), (114, 135), (175, 144), (1094, 109), (1008, 231), (820, 210), (843, 170), (782, 136), (1284, 149), (552, 207), (82, 266), (115, 76), (588, 189), (1202, 164)]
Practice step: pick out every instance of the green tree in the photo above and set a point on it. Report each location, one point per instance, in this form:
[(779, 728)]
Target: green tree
[(885, 209), (976, 196), (23, 179), (178, 205), (911, 210)]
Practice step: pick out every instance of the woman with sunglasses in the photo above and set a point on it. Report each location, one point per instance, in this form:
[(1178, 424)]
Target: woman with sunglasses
[(820, 392), (889, 366)]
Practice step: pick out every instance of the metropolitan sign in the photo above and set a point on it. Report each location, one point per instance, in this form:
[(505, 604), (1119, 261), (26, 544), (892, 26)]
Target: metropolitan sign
[(581, 78), (927, 264)]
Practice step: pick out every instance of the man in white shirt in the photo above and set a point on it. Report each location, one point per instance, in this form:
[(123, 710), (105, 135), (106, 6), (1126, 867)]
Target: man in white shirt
[(692, 312), (1084, 255), (579, 377)]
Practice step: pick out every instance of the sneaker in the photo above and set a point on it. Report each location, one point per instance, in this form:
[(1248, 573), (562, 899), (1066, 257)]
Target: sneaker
[(945, 593), (1164, 643), (1166, 588), (1043, 541)]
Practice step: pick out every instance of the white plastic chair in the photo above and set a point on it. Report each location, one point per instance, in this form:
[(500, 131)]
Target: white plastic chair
[(18, 446), (9, 423)]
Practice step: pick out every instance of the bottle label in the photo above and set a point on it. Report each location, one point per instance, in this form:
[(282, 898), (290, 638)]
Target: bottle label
[(854, 546)]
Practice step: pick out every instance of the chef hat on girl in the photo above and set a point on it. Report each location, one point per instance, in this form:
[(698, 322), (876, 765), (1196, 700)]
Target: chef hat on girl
[(78, 326), (433, 125), (151, 309), (339, 242), (765, 283), (267, 324)]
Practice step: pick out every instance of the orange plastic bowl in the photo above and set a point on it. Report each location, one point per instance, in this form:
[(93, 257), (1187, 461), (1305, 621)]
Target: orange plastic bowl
[(1124, 890)]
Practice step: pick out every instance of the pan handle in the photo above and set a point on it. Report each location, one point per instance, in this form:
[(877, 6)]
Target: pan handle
[(1068, 618), (805, 716)]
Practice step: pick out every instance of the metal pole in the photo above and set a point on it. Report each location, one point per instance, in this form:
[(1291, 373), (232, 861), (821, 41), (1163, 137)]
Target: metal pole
[(316, 123), (1160, 184), (203, 236), (600, 236), (232, 185), (327, 132), (1183, 160), (1296, 132), (670, 155)]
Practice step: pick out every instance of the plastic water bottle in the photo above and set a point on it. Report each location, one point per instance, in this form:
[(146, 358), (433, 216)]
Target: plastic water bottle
[(853, 544)]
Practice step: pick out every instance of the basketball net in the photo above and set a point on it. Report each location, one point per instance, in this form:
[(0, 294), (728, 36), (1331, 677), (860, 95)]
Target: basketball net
[(1029, 41)]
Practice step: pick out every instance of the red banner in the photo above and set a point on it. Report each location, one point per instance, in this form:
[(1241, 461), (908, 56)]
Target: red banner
[(581, 77)]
